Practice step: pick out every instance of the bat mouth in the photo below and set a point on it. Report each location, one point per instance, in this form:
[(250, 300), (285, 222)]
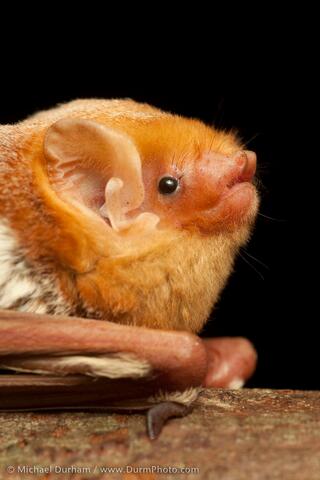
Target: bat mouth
[(236, 208), (238, 201), (240, 196)]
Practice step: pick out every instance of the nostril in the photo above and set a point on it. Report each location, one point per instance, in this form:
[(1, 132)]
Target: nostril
[(241, 158), (249, 167), (246, 162)]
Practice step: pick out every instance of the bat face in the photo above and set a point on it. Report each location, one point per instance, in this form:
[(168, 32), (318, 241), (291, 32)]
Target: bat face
[(136, 214), (202, 190)]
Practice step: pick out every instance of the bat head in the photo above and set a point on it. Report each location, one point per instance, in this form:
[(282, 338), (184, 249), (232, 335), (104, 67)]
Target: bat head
[(196, 178), (140, 213), (164, 170)]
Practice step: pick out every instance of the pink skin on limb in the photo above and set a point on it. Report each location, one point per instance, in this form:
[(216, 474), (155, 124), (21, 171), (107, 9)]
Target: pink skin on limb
[(184, 359), (231, 361)]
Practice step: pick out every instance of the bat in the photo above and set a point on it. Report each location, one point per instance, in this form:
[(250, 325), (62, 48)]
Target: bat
[(119, 227)]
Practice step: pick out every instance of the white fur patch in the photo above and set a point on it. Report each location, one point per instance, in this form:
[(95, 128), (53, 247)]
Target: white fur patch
[(22, 287), (110, 366), (7, 246), (15, 289), (236, 384), (187, 397)]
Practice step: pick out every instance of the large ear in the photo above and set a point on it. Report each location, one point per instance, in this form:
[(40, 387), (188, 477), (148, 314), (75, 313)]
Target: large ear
[(83, 155)]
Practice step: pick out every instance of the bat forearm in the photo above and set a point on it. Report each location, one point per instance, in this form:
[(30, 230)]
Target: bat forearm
[(180, 357)]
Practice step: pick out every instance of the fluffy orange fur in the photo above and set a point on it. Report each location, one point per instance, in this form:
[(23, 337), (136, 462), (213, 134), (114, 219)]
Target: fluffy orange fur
[(167, 278)]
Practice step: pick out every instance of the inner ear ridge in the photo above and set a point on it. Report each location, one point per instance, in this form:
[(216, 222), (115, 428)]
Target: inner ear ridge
[(72, 144)]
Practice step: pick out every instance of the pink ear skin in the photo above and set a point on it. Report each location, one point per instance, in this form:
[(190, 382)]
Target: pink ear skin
[(82, 155)]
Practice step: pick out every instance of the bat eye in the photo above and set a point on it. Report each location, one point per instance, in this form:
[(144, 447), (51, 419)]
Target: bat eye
[(168, 185)]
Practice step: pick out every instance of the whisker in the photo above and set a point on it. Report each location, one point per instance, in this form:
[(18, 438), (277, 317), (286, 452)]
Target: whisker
[(256, 259), (272, 218), (252, 138), (211, 144), (257, 271)]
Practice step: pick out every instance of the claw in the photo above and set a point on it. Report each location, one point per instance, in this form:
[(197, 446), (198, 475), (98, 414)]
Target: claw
[(158, 415)]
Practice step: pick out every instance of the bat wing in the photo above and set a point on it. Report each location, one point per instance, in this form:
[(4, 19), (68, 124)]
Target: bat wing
[(80, 363), (95, 355), (126, 362)]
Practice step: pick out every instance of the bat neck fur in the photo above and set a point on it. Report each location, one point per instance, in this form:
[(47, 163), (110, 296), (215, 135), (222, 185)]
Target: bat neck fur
[(174, 295)]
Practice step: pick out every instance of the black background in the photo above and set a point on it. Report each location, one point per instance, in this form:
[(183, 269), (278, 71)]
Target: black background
[(241, 75)]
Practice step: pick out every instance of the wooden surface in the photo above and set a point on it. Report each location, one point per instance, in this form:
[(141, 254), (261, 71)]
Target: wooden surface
[(231, 435)]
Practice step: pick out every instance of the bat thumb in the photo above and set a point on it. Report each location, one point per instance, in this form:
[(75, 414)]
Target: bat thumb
[(231, 362)]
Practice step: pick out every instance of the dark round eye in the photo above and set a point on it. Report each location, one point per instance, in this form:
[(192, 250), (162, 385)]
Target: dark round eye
[(168, 185)]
